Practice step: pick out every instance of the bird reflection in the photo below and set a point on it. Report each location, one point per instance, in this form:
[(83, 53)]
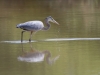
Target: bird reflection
[(37, 56)]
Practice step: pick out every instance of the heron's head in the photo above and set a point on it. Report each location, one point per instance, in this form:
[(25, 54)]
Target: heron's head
[(51, 20)]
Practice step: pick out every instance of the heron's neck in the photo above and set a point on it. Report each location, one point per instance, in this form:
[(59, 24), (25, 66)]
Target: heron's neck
[(47, 25), (48, 55)]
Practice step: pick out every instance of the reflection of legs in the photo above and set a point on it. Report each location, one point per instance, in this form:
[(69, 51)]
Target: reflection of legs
[(22, 36), (32, 50), (30, 36)]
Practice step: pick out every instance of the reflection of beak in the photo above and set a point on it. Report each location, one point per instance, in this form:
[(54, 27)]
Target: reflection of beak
[(55, 22)]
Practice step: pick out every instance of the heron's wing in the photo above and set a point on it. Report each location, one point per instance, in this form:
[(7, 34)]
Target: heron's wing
[(32, 25)]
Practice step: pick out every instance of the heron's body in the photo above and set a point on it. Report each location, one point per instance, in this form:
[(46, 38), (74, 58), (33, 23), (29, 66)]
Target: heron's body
[(35, 26), (31, 25)]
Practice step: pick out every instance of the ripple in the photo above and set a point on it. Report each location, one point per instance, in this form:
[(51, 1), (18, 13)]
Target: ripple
[(17, 42), (71, 39), (54, 39)]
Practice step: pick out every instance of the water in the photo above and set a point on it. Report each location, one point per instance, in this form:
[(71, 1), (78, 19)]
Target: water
[(73, 45)]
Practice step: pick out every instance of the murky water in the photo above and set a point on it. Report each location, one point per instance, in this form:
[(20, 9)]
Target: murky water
[(71, 48)]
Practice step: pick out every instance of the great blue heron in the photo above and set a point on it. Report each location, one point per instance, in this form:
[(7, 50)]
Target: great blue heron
[(35, 26)]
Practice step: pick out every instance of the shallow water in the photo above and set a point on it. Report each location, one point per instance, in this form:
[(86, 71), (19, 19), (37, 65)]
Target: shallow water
[(73, 45)]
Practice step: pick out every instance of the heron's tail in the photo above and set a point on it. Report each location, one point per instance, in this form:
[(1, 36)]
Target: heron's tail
[(18, 26)]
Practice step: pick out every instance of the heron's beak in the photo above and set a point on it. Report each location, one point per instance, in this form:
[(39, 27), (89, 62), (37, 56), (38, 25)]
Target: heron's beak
[(55, 22)]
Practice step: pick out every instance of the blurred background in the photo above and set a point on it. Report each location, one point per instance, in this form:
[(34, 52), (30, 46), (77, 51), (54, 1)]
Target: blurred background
[(77, 19)]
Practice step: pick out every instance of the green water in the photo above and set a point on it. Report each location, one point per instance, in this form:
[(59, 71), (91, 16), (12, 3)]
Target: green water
[(77, 19)]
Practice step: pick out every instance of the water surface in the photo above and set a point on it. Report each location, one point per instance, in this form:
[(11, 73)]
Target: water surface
[(76, 40)]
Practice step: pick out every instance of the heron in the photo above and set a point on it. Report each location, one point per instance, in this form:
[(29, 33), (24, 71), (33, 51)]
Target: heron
[(34, 26)]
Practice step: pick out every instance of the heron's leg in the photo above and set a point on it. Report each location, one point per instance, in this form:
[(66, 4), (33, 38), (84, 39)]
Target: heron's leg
[(30, 36), (22, 36), (22, 47)]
